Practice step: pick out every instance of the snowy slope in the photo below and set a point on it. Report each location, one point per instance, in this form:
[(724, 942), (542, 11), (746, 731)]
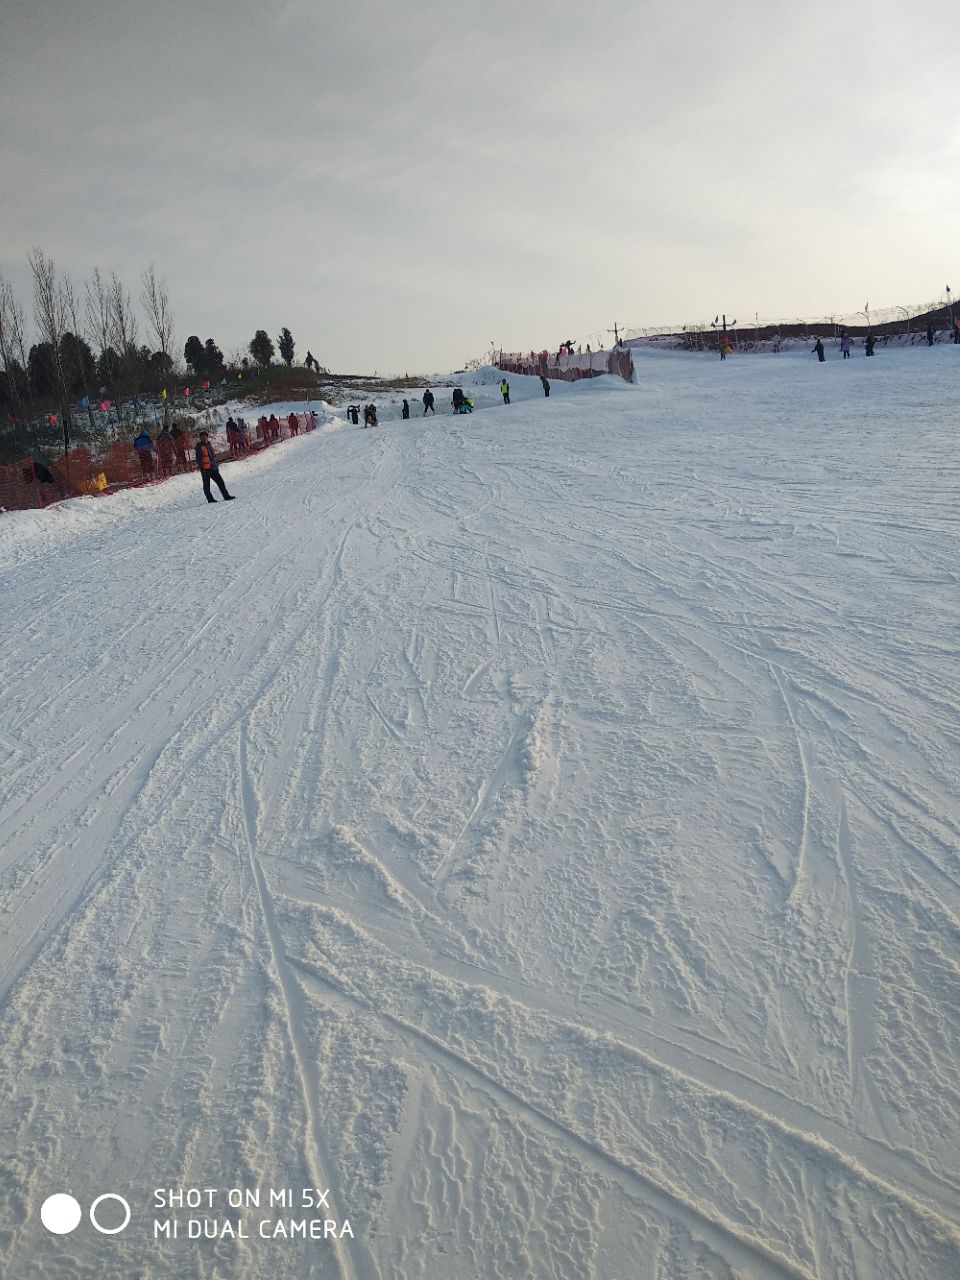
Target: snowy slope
[(539, 828)]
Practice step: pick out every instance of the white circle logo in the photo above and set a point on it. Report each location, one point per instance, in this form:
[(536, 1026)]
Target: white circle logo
[(109, 1231), (60, 1214)]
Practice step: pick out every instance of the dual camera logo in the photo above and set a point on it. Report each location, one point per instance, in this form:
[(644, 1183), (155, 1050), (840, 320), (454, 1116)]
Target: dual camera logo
[(61, 1214)]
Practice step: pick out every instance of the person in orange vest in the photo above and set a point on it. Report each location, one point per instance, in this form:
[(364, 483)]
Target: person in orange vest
[(210, 469)]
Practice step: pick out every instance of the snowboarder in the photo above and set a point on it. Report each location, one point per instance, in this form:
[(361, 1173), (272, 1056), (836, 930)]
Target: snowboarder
[(546, 385), (818, 348), (868, 346), (405, 411), (428, 403), (210, 468), (505, 391)]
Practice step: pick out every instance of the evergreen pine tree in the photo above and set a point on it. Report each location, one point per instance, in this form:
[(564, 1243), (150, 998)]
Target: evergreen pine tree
[(212, 356), (285, 343), (194, 354), (261, 348)]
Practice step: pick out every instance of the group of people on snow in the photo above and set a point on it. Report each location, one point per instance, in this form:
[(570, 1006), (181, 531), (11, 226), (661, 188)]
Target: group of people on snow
[(460, 403), (168, 454), (955, 332), (870, 342), (846, 345)]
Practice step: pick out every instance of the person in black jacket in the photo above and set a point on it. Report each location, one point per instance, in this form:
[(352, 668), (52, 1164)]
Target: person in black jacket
[(428, 403), (405, 411), (818, 348), (868, 346), (210, 469), (546, 385)]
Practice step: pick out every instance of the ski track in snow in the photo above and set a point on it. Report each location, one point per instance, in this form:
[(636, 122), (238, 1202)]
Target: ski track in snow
[(539, 829)]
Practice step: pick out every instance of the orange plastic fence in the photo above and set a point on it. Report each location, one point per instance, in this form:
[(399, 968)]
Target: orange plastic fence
[(28, 484)]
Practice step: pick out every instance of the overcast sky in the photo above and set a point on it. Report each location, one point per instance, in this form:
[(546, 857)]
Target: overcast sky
[(405, 183)]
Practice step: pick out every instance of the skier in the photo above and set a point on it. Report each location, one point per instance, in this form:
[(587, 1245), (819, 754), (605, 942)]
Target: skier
[(165, 451), (845, 346), (428, 403), (210, 468), (546, 386), (505, 391), (818, 348), (179, 446), (869, 345), (144, 447), (405, 411)]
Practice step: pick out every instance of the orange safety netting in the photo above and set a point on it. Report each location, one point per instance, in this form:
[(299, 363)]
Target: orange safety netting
[(32, 483)]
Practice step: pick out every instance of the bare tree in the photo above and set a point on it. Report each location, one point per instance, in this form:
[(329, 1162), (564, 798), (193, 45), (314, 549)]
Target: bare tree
[(124, 332), (11, 342), (50, 313), (156, 303), (100, 331), (17, 318), (72, 310)]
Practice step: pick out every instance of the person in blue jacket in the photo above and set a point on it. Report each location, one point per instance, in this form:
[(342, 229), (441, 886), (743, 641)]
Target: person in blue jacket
[(209, 468), (144, 447)]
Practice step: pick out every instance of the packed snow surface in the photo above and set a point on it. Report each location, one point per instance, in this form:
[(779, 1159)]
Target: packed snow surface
[(537, 831)]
